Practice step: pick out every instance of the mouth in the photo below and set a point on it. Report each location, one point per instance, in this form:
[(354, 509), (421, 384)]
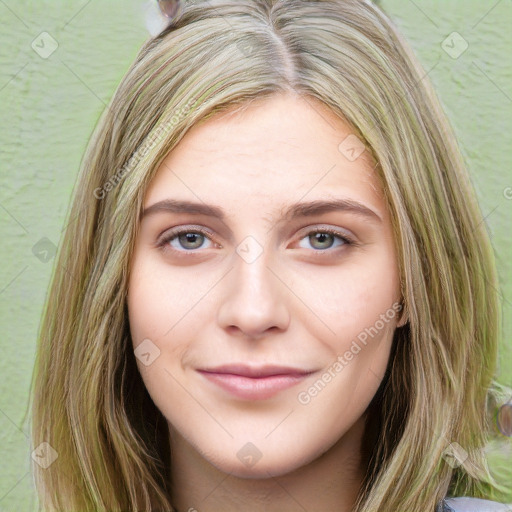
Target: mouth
[(251, 383)]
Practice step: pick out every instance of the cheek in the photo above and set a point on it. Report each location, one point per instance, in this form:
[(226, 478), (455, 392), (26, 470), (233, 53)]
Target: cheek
[(350, 300), (161, 322), (144, 301), (168, 307), (359, 309), (160, 299)]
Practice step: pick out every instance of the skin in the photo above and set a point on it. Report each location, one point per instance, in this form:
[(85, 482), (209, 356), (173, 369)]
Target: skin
[(301, 303)]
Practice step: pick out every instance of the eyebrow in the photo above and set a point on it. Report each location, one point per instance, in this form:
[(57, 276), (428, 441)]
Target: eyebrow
[(293, 211)]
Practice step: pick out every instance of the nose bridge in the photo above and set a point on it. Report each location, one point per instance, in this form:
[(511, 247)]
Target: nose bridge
[(252, 267), (254, 301)]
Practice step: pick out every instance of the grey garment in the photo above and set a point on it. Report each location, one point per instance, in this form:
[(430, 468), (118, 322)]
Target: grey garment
[(472, 505)]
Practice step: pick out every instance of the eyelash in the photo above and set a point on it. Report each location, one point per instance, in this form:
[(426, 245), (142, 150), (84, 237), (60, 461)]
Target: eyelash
[(163, 243)]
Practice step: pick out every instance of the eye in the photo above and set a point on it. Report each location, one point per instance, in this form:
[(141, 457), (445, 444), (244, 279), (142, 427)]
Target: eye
[(189, 239), (183, 240), (322, 239)]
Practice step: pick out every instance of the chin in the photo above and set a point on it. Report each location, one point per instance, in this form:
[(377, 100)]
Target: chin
[(261, 470), (252, 463)]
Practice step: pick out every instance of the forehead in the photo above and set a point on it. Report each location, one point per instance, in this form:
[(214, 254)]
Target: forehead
[(277, 150)]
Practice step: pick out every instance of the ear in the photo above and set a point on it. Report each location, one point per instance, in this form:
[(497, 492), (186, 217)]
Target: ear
[(404, 315)]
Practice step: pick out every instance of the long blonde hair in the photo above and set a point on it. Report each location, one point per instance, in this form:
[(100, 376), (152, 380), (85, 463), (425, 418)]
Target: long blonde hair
[(439, 393)]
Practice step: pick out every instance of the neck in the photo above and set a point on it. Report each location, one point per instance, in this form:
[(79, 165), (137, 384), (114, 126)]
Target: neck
[(330, 482)]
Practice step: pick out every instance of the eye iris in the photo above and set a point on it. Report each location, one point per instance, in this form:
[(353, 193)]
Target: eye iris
[(189, 237), (321, 235)]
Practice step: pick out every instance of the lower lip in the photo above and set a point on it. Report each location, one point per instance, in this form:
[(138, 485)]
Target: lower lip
[(253, 388)]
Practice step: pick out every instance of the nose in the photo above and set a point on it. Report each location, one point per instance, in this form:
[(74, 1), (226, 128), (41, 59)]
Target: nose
[(254, 300)]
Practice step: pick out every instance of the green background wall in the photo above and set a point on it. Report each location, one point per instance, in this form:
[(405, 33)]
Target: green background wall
[(49, 106)]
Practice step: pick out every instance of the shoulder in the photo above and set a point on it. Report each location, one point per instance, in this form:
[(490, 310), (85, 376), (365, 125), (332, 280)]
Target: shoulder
[(472, 505)]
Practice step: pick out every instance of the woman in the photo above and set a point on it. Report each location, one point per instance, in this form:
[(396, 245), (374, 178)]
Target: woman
[(329, 339)]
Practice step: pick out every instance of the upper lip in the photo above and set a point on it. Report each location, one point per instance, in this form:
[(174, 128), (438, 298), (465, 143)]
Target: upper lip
[(256, 371)]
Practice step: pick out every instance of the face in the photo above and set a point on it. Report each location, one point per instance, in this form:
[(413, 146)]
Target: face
[(262, 330)]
